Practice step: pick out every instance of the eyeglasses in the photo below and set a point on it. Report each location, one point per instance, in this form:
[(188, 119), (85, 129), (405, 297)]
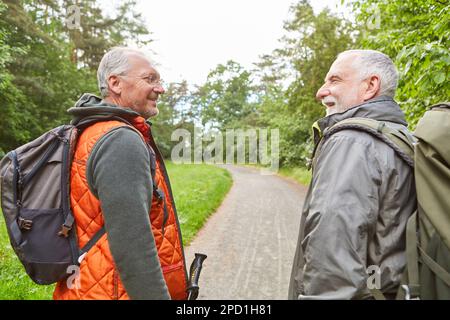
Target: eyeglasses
[(152, 79)]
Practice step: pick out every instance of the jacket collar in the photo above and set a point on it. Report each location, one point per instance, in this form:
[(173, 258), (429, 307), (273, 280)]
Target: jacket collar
[(382, 108), (90, 107)]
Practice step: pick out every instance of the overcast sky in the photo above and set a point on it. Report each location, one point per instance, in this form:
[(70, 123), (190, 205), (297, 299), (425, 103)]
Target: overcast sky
[(192, 36)]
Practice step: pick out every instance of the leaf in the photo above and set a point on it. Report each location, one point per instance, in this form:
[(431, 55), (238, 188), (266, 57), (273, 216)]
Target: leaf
[(446, 59), (408, 65), (439, 78)]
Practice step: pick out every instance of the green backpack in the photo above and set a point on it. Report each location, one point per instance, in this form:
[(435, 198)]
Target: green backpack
[(426, 275), (428, 231)]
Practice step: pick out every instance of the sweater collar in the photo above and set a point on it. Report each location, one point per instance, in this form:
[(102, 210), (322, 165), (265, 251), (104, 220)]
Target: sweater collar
[(382, 108), (89, 106)]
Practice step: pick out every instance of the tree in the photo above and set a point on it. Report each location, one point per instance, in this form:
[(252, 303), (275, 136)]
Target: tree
[(224, 101), (310, 46), (173, 114), (44, 67), (15, 108), (97, 33), (416, 35), (46, 82)]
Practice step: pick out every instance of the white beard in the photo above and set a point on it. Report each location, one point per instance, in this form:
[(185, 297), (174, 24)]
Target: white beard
[(336, 108)]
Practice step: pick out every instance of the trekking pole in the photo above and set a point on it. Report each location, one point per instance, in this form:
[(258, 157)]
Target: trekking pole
[(194, 275)]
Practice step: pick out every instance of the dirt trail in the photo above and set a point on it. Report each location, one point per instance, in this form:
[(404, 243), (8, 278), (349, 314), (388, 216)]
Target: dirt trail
[(250, 241)]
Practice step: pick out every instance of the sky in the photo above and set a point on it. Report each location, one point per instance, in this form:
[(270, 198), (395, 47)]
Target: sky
[(191, 37)]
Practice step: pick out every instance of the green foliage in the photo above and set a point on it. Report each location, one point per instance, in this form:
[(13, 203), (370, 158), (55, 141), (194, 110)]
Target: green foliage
[(311, 45), (224, 100), (280, 93), (10, 95), (416, 34), (299, 174), (198, 190), (174, 113), (98, 33), (45, 65)]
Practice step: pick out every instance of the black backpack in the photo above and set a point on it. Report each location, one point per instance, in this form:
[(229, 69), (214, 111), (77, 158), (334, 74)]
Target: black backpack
[(35, 199)]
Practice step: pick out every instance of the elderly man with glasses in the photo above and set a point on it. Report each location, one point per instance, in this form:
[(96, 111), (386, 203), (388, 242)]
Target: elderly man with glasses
[(352, 235), (120, 190)]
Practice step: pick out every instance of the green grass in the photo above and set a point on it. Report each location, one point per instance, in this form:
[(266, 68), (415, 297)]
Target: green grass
[(300, 174), (198, 191), (14, 282)]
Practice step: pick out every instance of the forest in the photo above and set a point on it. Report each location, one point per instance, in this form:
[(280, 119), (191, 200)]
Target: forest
[(46, 64)]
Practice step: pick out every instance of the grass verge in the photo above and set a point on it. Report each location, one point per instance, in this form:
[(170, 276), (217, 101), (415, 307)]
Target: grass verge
[(14, 282), (198, 190), (299, 174)]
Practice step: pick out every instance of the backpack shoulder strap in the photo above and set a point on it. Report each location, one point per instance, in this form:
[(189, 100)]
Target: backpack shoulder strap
[(397, 140), (442, 106)]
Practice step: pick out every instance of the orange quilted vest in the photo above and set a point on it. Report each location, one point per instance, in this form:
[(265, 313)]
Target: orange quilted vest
[(98, 276)]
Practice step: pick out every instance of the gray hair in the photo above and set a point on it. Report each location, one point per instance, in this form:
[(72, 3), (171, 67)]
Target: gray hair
[(370, 62), (115, 61)]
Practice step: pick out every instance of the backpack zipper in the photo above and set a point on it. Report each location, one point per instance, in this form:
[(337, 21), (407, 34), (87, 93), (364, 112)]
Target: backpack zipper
[(51, 149), (17, 182)]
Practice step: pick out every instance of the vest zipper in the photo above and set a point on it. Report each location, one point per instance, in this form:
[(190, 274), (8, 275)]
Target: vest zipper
[(165, 213), (170, 196), (116, 285)]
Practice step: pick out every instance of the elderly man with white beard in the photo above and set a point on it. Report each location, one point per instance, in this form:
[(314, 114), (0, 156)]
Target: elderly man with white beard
[(362, 191)]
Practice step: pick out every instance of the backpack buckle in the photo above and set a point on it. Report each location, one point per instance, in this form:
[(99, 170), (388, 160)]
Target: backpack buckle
[(25, 224), (410, 292), (64, 231)]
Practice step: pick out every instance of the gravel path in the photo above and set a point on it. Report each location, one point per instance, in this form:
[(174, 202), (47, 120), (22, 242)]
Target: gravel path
[(250, 241)]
